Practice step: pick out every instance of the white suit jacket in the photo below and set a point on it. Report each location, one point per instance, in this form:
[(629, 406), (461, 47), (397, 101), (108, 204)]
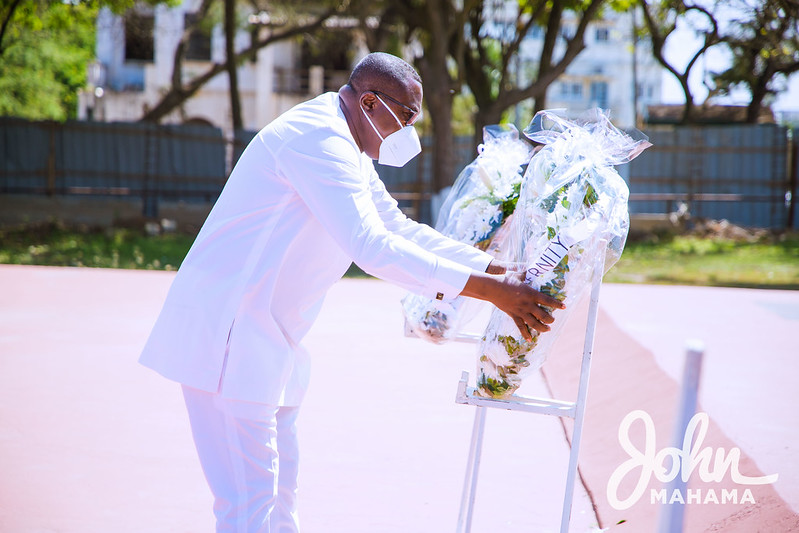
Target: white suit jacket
[(300, 205)]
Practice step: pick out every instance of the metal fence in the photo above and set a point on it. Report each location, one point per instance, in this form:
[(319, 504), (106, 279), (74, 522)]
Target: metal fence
[(746, 174), (146, 161)]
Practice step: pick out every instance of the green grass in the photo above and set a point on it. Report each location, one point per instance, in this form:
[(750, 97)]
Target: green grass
[(771, 262), (55, 245)]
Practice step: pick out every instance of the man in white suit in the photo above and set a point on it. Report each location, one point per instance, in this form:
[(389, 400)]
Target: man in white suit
[(303, 202)]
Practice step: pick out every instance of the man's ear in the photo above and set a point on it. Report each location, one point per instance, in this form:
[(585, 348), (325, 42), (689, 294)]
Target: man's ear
[(368, 100)]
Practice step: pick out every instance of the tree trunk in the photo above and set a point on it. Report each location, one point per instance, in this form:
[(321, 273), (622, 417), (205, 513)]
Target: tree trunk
[(439, 105), (759, 92), (689, 109), (433, 69), (659, 33), (6, 21), (484, 117), (232, 64), (540, 103), (478, 64), (550, 40)]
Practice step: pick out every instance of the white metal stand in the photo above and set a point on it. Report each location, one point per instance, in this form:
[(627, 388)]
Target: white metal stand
[(547, 406)]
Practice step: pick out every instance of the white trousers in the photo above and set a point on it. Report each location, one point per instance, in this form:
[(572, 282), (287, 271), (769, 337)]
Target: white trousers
[(249, 455)]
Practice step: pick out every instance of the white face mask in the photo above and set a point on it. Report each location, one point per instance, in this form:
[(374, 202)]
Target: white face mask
[(399, 147)]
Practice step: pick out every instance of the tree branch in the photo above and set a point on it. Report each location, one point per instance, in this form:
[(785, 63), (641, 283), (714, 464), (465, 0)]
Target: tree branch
[(179, 93), (658, 43), (521, 34), (711, 39), (575, 45), (232, 64), (6, 21), (550, 37)]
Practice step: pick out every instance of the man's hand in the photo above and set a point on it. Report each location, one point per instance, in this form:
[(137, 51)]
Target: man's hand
[(511, 295)]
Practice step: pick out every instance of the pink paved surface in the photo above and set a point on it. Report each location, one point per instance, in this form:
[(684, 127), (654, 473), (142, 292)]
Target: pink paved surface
[(751, 362), (91, 442), (626, 376)]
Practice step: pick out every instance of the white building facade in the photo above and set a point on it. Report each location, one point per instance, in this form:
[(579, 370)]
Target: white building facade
[(605, 72), (135, 60)]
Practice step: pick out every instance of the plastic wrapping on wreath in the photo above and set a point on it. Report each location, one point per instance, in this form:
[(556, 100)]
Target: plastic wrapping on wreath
[(475, 212), (572, 210)]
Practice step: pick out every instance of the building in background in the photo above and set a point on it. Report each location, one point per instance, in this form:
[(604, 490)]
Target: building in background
[(135, 58), (605, 72)]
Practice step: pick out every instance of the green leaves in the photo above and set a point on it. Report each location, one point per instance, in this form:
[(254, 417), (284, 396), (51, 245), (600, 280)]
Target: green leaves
[(494, 387), (765, 47), (509, 205), (591, 197), (45, 51), (45, 48), (55, 245)]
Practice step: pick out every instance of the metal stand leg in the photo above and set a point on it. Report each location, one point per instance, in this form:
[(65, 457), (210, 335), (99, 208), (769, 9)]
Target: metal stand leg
[(472, 470), (582, 392), (548, 406)]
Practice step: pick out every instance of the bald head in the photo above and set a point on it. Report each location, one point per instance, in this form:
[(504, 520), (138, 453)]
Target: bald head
[(383, 94), (379, 71)]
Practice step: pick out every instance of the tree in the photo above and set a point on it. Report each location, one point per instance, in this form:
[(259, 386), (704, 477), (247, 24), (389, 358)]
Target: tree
[(232, 64), (764, 41), (460, 51), (9, 11), (660, 18), (437, 26), (181, 90), (490, 54), (44, 50), (19, 15)]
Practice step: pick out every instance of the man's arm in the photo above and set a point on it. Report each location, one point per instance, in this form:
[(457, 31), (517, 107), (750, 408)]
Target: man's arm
[(507, 293), (422, 234), (326, 171), (331, 185), (511, 295)]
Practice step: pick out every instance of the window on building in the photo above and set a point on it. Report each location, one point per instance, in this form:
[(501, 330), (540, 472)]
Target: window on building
[(602, 35), (198, 48), (139, 37), (571, 90), (645, 90), (599, 94)]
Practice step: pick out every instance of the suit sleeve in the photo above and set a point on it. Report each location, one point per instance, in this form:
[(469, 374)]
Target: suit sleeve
[(325, 170), (422, 234)]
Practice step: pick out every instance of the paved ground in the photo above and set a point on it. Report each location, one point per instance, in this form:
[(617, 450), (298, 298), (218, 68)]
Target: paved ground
[(91, 442), (749, 384)]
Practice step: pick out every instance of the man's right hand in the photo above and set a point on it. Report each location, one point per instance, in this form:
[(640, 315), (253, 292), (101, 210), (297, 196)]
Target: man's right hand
[(511, 295)]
